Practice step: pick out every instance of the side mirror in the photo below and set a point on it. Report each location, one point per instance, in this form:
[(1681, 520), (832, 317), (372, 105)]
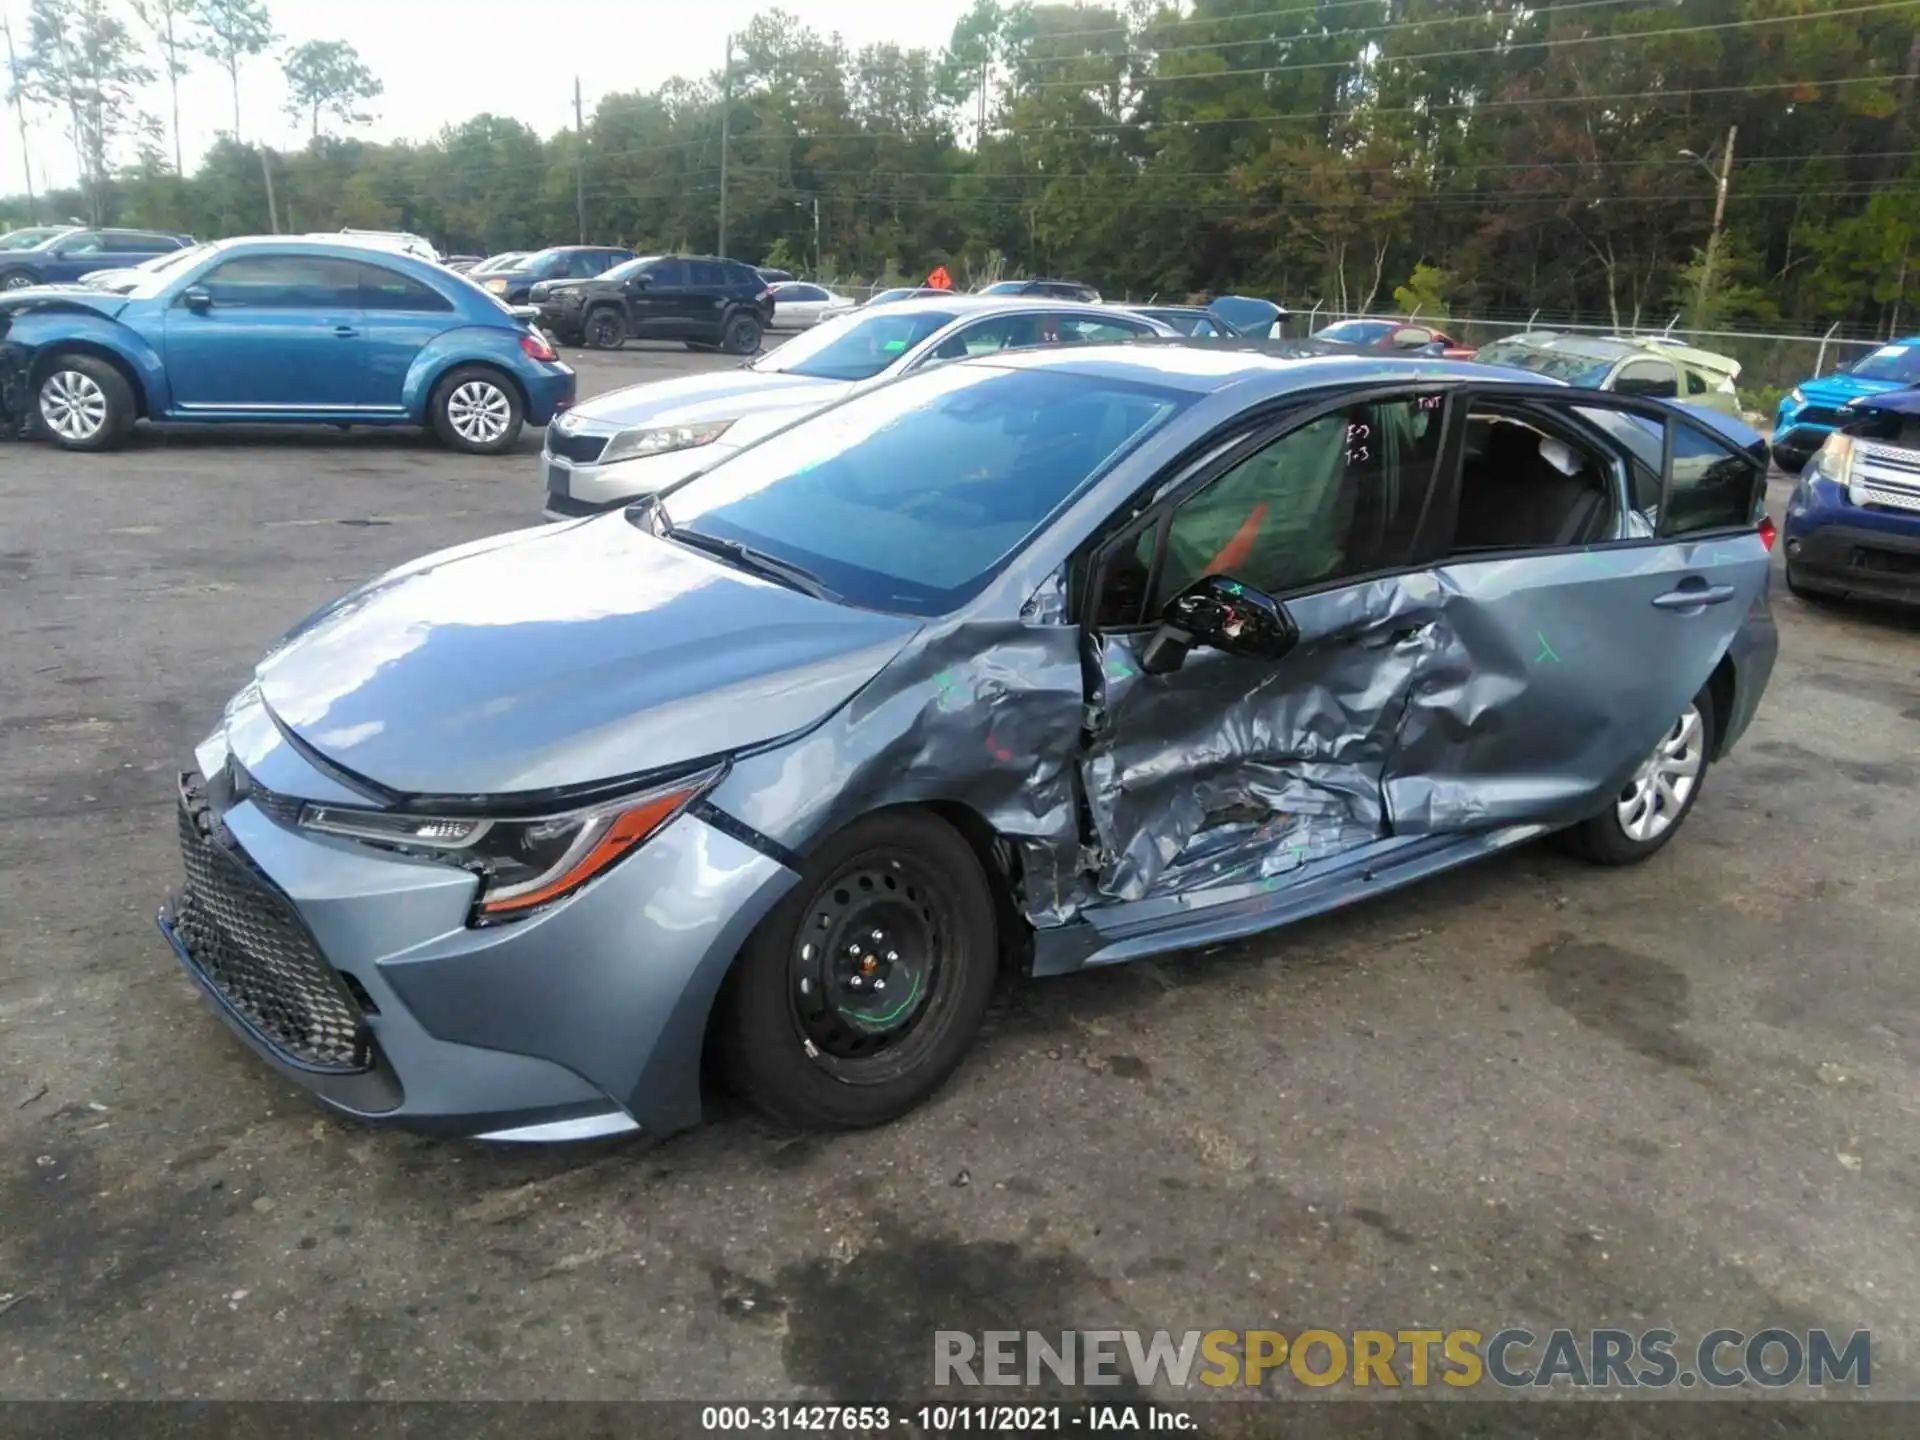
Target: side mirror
[(640, 281), (197, 298), (1221, 614)]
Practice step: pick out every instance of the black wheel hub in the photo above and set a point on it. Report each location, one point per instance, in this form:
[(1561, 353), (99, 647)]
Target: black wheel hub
[(866, 961)]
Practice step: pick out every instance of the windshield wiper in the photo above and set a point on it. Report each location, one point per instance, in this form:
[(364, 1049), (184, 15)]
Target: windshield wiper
[(772, 567)]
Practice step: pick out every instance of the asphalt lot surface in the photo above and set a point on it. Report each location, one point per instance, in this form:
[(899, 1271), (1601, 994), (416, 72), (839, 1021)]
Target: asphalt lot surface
[(1533, 1093)]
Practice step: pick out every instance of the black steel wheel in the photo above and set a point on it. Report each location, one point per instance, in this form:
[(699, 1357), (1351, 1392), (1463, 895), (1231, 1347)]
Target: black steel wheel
[(860, 993), (605, 329)]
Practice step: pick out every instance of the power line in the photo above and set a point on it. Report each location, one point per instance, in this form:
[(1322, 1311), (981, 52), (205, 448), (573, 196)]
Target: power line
[(1350, 62)]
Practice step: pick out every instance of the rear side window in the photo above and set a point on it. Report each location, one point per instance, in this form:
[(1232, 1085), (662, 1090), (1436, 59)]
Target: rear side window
[(384, 289), (582, 265), (668, 273), (285, 282), (1651, 378), (750, 278), (1696, 383), (707, 275), (1714, 486)]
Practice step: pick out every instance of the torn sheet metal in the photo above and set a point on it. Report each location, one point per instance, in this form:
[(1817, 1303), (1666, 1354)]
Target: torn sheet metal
[(15, 403), (1230, 770), (986, 714)]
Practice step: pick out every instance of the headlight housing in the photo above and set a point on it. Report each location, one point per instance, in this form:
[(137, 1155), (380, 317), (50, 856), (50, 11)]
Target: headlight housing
[(1834, 462), (1797, 396), (497, 287), (524, 865), (662, 440)]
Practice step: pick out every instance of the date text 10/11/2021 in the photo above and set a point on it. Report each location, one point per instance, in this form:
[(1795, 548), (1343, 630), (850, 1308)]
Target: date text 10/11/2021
[(946, 1419)]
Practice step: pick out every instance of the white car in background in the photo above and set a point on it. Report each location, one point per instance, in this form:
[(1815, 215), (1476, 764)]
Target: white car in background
[(800, 304), (620, 446)]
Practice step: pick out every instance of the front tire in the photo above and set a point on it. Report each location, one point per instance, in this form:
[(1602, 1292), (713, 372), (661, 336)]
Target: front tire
[(18, 279), (605, 329), (742, 335), (83, 403), (477, 410), (1650, 810), (1791, 462), (857, 997)]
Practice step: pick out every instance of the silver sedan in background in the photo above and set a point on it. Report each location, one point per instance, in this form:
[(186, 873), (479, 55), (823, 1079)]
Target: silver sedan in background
[(617, 447)]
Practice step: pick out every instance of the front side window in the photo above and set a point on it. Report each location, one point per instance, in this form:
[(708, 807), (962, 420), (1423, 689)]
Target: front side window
[(90, 242), (284, 282), (546, 264), (1339, 496), (857, 347), (909, 499), (668, 274)]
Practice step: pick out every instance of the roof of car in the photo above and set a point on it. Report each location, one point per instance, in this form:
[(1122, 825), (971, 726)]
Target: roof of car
[(1202, 366), (969, 304)]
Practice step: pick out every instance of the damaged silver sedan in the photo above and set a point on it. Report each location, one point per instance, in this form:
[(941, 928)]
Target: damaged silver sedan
[(1057, 658)]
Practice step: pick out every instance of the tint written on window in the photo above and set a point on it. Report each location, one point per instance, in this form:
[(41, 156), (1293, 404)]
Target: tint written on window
[(911, 498)]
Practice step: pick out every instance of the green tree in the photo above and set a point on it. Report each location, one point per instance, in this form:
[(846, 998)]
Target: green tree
[(82, 60), (231, 32), (328, 77), (167, 21)]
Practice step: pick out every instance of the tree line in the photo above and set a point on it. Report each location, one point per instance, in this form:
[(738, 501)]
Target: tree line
[(1476, 156)]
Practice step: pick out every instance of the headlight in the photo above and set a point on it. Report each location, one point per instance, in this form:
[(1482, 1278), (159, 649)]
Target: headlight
[(524, 865), (1797, 396), (662, 440), (1835, 462), (498, 287)]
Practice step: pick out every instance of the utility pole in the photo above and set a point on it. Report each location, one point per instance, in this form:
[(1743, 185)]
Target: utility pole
[(980, 132), (266, 169), (1713, 235), (726, 136), (20, 114), (580, 159), (816, 234)]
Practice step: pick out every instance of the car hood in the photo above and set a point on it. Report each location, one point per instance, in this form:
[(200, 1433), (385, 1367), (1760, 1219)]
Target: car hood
[(1902, 401), (103, 302), (563, 656), (719, 395), (1836, 390)]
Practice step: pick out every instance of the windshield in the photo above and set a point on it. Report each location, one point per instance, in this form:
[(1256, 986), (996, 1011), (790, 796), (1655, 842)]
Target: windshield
[(911, 498), (1005, 287), (543, 263), (125, 282), (1356, 332), (627, 269), (855, 347), (1890, 362), (34, 236), (498, 263), (1582, 370)]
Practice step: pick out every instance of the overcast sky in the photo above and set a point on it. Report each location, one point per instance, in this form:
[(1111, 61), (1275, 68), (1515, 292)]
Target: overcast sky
[(444, 60)]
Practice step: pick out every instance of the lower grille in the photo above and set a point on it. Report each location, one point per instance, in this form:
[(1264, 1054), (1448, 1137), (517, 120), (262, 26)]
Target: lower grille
[(1886, 562), (581, 449), (248, 943), (1818, 415)]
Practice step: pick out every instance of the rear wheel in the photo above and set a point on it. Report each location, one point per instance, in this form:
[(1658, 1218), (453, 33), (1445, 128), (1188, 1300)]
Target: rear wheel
[(605, 329), (83, 403), (18, 279), (857, 997), (1645, 815), (476, 409), (742, 335)]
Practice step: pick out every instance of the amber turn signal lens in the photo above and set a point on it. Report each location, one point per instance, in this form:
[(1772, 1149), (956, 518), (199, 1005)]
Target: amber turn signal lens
[(617, 835)]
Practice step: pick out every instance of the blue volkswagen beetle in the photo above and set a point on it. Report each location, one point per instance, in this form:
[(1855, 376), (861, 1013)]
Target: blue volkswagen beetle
[(294, 330)]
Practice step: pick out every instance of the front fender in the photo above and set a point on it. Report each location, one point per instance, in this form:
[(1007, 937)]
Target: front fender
[(468, 345), (47, 331)]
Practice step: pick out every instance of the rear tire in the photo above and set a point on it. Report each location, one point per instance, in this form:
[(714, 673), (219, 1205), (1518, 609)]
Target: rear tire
[(477, 410), (81, 402), (605, 329), (742, 335), (807, 1031), (18, 278), (1656, 802)]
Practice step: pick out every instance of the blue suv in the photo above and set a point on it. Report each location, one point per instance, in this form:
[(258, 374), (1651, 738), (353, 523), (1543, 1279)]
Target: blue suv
[(287, 330), (1813, 410), (1853, 522), (60, 257)]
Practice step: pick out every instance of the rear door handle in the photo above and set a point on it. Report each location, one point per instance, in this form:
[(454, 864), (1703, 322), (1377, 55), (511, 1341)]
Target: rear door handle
[(345, 332), (1693, 598)]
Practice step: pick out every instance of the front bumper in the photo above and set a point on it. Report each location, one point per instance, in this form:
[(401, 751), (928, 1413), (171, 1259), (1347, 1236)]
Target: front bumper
[(1838, 547), (585, 1020), (576, 488)]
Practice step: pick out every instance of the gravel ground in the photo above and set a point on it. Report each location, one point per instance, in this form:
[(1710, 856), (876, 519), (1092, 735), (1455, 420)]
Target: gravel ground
[(1532, 1093)]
